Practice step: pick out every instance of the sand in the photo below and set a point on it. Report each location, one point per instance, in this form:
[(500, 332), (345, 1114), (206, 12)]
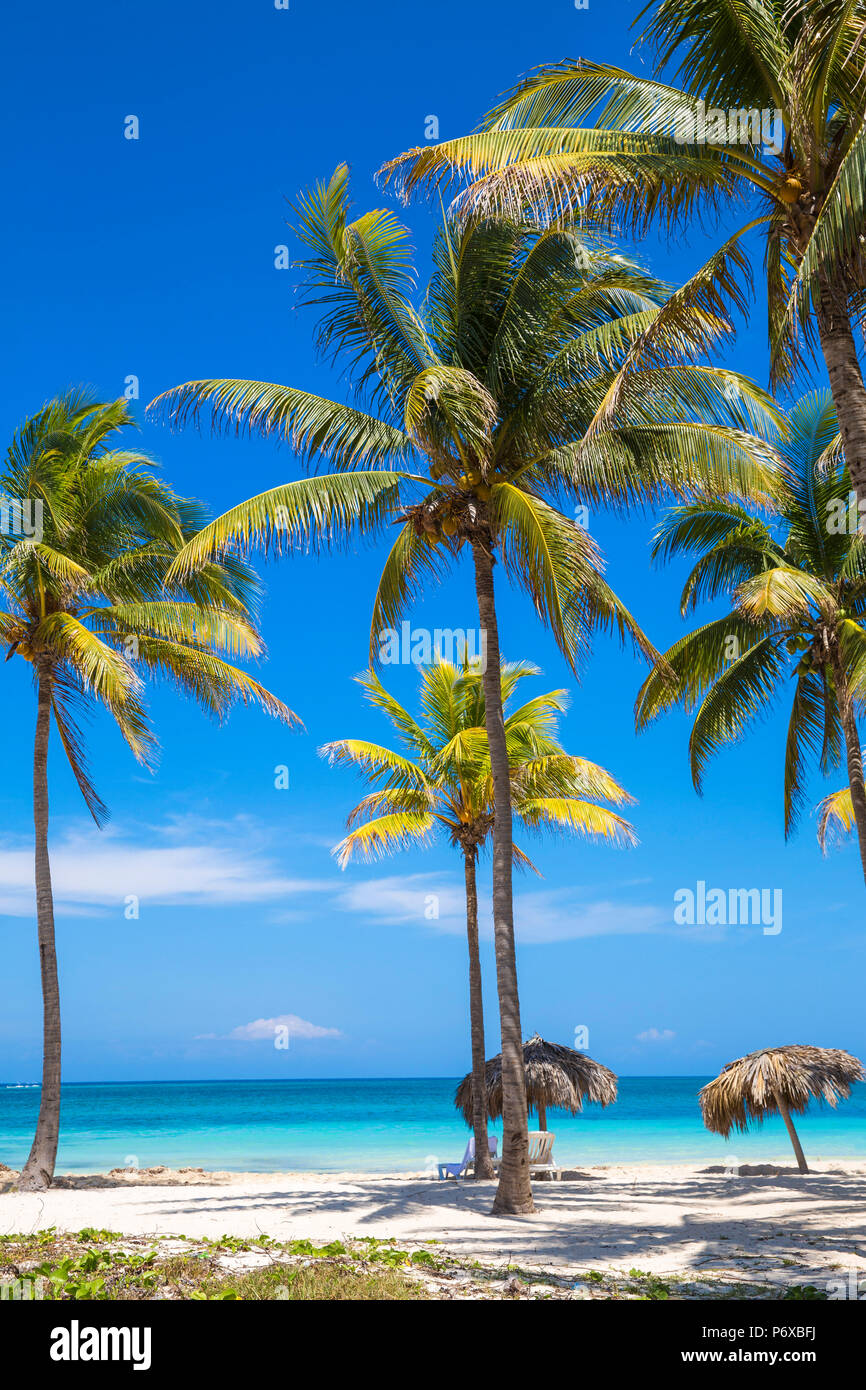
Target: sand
[(765, 1225)]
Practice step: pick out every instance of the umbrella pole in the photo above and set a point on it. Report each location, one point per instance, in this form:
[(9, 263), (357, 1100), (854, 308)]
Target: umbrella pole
[(542, 1115), (792, 1135)]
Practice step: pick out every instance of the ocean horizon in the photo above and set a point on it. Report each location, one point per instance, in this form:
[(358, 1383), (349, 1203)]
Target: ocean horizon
[(383, 1124)]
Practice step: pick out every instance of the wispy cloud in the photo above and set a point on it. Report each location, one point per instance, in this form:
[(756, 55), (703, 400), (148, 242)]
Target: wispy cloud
[(223, 864), (266, 1029), (193, 860), (427, 899), (560, 915), (652, 1035), (436, 901)]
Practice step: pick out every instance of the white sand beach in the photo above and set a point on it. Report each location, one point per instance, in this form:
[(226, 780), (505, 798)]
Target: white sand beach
[(766, 1225)]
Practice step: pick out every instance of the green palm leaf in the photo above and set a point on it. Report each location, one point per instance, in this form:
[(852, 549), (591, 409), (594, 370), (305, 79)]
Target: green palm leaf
[(798, 592), (313, 513), (90, 606), (314, 426)]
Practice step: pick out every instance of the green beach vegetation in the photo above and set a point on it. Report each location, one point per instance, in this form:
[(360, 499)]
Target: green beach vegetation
[(440, 780), (99, 1266)]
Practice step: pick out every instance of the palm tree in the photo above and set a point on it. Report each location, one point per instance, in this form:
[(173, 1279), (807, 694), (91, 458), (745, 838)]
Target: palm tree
[(479, 401), (797, 586), (769, 115), (440, 779), (85, 601)]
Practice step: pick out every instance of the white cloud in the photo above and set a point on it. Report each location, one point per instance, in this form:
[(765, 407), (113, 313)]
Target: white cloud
[(540, 917), (429, 900), (656, 1035), (266, 1029), (100, 869), (559, 915), (198, 861)]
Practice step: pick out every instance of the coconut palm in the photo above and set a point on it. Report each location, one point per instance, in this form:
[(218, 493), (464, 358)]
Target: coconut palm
[(85, 601), (797, 585), (765, 114), (440, 780), (479, 399), (778, 1081)]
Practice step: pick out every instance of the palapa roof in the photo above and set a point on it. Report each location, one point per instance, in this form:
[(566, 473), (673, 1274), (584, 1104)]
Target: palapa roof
[(556, 1076), (745, 1091)]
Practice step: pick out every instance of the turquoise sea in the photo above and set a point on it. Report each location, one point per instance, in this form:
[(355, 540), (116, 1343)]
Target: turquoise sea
[(381, 1126)]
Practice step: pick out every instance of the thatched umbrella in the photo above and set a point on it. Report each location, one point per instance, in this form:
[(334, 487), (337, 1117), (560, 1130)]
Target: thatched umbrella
[(557, 1077), (778, 1080)]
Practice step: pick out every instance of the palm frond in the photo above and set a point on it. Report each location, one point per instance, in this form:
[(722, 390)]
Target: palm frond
[(835, 817), (316, 513), (551, 557), (376, 762), (383, 835), (742, 692), (314, 426), (215, 683), (584, 817), (782, 592)]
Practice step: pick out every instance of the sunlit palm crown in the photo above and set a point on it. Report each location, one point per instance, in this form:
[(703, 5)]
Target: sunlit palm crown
[(441, 779), (87, 602), (491, 407), (797, 583), (582, 134)]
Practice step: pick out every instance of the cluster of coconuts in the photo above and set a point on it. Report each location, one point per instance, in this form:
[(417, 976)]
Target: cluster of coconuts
[(474, 483), (444, 520)]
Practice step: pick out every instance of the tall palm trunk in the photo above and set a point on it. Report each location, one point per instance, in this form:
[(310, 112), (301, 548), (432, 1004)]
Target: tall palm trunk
[(483, 1167), (846, 385), (514, 1193), (39, 1168), (854, 754)]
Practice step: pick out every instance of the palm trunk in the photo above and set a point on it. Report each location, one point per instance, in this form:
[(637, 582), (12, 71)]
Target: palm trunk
[(854, 755), (792, 1135), (514, 1193), (38, 1171), (846, 385), (483, 1168)]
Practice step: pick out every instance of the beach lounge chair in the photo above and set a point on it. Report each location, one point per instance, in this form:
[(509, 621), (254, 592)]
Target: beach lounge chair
[(456, 1170), (541, 1154)]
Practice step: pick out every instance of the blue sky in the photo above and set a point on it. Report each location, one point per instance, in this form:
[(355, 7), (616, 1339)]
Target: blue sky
[(156, 258)]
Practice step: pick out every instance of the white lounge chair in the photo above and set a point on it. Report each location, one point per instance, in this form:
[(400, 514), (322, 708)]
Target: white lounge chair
[(541, 1154), (456, 1170)]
